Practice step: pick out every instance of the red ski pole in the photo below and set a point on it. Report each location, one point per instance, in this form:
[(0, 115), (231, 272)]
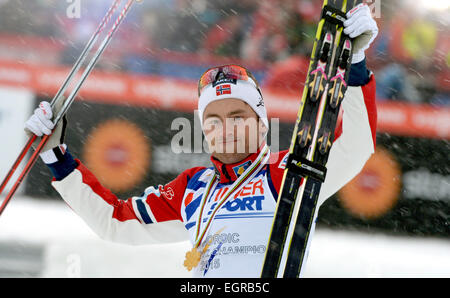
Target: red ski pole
[(63, 88), (67, 104), (17, 162), (25, 171)]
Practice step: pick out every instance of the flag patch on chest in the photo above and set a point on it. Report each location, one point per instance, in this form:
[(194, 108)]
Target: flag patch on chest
[(240, 169)]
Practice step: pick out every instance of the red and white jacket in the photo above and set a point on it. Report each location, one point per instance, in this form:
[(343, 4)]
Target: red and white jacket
[(239, 232)]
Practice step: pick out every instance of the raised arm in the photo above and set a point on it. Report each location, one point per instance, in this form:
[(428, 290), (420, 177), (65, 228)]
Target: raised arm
[(152, 217), (355, 137)]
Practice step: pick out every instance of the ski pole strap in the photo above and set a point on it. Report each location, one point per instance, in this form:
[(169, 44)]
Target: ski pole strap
[(306, 168), (333, 15)]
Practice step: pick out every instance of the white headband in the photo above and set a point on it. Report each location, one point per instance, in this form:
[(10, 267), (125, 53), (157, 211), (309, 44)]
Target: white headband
[(243, 90)]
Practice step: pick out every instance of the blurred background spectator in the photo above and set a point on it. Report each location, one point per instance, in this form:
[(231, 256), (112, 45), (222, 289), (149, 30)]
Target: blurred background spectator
[(181, 38)]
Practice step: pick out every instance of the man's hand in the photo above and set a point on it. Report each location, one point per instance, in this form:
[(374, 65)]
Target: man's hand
[(361, 26), (41, 123)]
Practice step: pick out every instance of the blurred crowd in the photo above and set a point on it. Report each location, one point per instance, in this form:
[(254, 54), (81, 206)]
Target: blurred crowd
[(411, 56)]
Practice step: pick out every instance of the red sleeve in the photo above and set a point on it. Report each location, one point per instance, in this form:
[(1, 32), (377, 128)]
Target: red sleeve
[(165, 200), (369, 94), (122, 209), (156, 204), (277, 164)]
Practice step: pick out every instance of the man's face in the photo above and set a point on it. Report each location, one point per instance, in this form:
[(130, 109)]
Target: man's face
[(232, 129)]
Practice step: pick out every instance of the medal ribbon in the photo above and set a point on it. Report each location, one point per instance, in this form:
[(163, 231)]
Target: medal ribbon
[(249, 173)]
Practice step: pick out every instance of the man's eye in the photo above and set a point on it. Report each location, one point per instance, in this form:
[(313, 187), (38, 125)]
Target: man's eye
[(212, 122)]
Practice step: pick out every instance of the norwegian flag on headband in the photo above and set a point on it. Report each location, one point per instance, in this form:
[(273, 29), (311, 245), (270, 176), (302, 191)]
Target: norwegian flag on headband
[(223, 89)]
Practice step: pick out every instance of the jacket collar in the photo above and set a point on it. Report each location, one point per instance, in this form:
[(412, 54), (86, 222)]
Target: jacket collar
[(229, 173)]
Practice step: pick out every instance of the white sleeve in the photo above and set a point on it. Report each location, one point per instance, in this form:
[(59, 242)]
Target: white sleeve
[(355, 145), (116, 220)]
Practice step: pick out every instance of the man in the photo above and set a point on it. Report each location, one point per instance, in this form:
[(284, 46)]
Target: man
[(225, 210)]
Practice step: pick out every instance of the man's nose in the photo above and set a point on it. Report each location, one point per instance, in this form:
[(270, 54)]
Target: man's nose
[(228, 127)]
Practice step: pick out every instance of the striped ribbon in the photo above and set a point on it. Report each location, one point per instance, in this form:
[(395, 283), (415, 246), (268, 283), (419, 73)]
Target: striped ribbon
[(249, 173)]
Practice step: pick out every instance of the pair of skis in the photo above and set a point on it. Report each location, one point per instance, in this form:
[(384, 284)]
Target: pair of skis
[(67, 102), (311, 142)]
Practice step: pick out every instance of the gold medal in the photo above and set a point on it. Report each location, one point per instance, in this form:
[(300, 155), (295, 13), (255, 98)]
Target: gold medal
[(192, 259), (193, 256)]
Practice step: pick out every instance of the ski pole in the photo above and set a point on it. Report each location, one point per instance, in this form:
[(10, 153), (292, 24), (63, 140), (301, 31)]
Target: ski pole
[(67, 104), (86, 50), (94, 60), (25, 171), (63, 88), (17, 162)]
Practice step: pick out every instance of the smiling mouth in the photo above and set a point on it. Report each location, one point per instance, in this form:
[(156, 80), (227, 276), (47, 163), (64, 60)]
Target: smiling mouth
[(231, 140), (227, 141)]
